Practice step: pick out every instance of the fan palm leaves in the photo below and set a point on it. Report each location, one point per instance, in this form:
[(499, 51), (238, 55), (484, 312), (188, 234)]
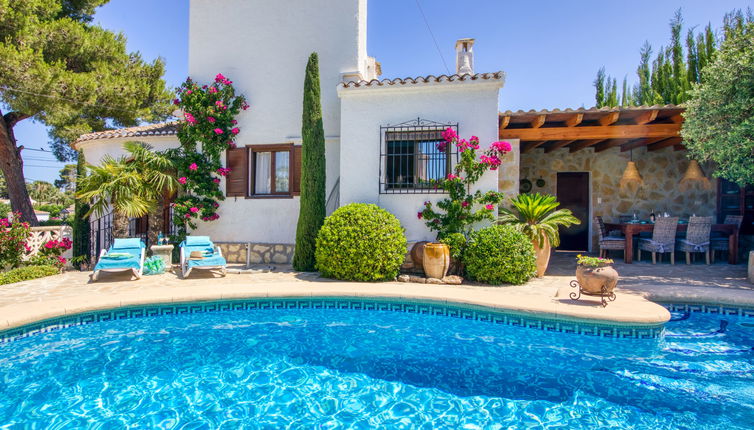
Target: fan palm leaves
[(130, 185), (537, 216)]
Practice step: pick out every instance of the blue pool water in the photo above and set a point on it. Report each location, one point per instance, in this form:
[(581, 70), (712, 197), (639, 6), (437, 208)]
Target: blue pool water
[(317, 368)]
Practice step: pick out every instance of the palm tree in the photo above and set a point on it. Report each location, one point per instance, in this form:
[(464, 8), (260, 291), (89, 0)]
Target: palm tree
[(538, 217), (132, 186)]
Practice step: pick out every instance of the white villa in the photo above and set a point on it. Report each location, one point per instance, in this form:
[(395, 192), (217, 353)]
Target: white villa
[(380, 134)]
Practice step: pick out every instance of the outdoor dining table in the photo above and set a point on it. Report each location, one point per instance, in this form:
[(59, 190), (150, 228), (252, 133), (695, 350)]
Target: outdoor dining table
[(632, 229)]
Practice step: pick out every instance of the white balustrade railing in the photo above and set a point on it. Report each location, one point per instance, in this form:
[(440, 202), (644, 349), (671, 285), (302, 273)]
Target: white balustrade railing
[(41, 235)]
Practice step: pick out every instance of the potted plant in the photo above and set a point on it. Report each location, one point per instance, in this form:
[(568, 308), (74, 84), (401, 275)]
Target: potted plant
[(596, 275), (538, 217)]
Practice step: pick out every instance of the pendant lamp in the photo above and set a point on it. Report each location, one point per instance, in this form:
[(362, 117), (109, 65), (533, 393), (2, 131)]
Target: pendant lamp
[(694, 175), (631, 177)]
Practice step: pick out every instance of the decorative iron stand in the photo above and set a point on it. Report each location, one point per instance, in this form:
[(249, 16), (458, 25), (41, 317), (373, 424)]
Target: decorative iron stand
[(604, 295)]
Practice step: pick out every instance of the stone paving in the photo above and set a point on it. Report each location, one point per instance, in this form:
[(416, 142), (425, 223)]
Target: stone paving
[(73, 292)]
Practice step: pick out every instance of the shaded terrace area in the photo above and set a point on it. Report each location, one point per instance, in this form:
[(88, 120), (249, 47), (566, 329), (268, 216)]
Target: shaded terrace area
[(594, 146)]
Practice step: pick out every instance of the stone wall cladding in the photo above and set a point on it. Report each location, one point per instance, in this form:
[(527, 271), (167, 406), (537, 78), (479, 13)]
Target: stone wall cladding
[(661, 170), (257, 253)]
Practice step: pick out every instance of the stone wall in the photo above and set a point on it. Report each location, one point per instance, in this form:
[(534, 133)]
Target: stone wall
[(661, 170), (256, 253)]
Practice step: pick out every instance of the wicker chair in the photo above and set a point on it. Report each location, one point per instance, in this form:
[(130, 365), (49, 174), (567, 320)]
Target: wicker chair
[(720, 243), (662, 241), (608, 242), (697, 237)]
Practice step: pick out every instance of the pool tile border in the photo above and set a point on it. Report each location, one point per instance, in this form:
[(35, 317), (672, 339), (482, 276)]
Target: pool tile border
[(471, 312), (709, 309)]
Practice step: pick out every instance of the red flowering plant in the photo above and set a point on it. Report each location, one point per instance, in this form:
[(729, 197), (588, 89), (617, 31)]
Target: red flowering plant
[(463, 208), (50, 252), (13, 235), (209, 129)]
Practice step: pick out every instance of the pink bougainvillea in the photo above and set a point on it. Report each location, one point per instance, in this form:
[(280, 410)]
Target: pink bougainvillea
[(456, 214), (203, 143)]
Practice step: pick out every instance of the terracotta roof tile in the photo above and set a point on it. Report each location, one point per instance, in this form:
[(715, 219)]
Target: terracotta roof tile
[(161, 129), (431, 79), (590, 110)]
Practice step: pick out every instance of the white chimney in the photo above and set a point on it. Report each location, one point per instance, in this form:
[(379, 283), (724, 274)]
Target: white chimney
[(465, 56)]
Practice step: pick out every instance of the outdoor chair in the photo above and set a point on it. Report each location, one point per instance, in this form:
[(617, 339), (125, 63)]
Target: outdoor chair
[(198, 252), (697, 237), (720, 243), (608, 242), (662, 241), (124, 255)]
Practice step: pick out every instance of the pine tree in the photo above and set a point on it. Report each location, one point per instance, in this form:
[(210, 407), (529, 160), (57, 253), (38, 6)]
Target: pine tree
[(81, 227), (599, 85), (312, 203)]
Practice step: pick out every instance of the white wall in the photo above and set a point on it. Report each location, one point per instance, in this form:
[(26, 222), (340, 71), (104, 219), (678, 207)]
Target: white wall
[(95, 150), (263, 47), (473, 105)]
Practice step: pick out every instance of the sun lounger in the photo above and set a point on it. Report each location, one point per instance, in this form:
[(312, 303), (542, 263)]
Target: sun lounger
[(123, 255), (198, 252)]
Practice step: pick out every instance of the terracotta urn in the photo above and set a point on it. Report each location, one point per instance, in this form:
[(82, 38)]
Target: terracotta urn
[(417, 254), (592, 279), (542, 256), (436, 260)]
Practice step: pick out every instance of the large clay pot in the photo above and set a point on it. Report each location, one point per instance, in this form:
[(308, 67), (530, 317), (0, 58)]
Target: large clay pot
[(592, 279), (417, 254), (436, 260), (543, 256)]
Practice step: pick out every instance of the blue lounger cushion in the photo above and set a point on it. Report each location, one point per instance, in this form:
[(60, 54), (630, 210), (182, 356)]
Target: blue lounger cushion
[(214, 260), (119, 262), (197, 241)]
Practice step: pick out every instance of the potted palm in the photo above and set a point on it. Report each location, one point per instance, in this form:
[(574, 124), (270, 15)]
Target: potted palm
[(538, 217)]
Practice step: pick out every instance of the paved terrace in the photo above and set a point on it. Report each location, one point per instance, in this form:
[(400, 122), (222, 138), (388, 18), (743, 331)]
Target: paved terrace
[(72, 292)]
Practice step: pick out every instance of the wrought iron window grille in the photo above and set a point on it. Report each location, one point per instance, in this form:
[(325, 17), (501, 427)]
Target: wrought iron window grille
[(414, 156)]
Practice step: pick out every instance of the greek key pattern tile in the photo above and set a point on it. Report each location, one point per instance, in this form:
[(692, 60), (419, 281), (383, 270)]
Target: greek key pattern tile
[(710, 309), (436, 309)]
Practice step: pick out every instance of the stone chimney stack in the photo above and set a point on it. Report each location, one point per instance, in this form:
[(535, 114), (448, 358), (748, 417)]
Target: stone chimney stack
[(465, 56)]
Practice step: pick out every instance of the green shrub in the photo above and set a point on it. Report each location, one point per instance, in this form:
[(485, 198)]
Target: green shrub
[(360, 242), (456, 242), (26, 273), (499, 254)]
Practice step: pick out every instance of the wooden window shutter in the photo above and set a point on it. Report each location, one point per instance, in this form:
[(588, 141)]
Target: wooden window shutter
[(237, 181), (296, 170)]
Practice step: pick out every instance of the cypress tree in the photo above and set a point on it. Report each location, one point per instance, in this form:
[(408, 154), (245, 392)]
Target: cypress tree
[(612, 92), (312, 203), (599, 85), (646, 95), (81, 246), (692, 58)]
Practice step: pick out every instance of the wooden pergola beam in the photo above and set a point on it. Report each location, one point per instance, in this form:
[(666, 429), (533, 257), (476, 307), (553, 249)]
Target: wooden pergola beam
[(664, 144), (638, 143), (609, 143), (538, 121), (528, 146), (593, 132), (645, 117), (584, 144), (677, 118), (504, 121), (574, 120), (557, 145), (608, 119)]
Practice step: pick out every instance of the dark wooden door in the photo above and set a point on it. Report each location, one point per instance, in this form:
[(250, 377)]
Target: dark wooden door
[(573, 194)]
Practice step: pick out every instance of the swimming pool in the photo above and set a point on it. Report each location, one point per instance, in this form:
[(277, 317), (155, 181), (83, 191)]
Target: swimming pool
[(364, 369)]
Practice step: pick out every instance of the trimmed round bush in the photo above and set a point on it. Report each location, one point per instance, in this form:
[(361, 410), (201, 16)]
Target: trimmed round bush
[(499, 254), (360, 242), (26, 273)]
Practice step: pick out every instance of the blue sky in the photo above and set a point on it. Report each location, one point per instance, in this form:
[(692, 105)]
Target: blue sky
[(550, 50)]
